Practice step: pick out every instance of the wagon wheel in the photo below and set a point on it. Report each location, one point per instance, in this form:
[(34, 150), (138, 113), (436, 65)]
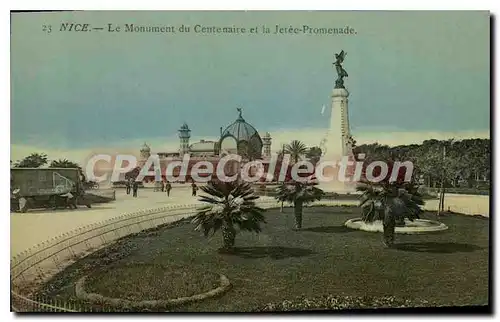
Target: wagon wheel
[(96, 185), (52, 203)]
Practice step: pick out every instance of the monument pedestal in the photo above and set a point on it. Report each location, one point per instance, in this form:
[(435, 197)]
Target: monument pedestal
[(336, 178), (336, 147)]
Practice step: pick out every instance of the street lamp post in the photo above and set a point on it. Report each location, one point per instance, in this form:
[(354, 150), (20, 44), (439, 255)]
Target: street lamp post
[(443, 177)]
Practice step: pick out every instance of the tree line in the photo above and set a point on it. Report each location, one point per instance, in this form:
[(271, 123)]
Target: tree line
[(37, 160), (456, 163), (460, 163)]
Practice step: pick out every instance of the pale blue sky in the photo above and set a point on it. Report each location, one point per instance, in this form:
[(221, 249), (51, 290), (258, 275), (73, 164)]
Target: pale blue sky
[(408, 71)]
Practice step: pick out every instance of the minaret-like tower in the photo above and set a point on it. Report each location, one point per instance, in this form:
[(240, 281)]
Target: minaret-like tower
[(145, 153), (184, 135), (266, 146)]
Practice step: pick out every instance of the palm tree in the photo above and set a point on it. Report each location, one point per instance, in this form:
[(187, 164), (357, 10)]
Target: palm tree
[(34, 160), (296, 149), (299, 194), (229, 204), (390, 202), (352, 142), (64, 163), (133, 174)]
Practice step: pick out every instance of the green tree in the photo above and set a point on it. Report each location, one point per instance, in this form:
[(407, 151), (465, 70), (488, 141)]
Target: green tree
[(133, 174), (352, 142), (390, 203), (298, 194), (373, 152), (249, 151), (466, 160), (314, 154), (34, 160), (65, 163), (296, 149), (230, 204)]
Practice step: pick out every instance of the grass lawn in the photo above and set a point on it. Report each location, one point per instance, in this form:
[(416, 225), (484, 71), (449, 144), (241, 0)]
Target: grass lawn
[(445, 268)]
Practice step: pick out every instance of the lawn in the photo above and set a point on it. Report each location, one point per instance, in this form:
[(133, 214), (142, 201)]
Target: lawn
[(324, 259)]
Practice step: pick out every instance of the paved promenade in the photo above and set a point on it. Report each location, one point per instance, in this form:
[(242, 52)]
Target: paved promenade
[(35, 226)]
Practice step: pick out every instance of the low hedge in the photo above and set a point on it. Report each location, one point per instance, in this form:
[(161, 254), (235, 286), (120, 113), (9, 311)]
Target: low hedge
[(461, 191)]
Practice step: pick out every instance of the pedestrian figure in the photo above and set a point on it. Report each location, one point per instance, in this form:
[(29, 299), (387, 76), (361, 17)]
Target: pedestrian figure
[(168, 187), (194, 188), (135, 186), (127, 184), (23, 202), (162, 186)]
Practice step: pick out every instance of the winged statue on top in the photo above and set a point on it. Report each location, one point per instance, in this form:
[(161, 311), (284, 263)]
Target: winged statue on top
[(341, 73)]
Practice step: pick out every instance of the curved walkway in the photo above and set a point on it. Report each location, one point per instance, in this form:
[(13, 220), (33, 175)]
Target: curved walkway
[(35, 226)]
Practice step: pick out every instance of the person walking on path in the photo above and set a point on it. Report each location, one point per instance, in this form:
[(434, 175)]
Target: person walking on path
[(194, 188), (168, 187), (127, 185), (134, 188)]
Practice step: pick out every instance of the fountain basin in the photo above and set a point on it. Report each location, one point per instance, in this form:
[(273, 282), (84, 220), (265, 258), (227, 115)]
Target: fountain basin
[(418, 226)]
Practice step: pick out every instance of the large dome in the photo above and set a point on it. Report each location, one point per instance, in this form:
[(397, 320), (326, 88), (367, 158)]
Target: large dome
[(244, 135)]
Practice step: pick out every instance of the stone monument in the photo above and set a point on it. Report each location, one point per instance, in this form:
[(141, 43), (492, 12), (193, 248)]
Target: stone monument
[(336, 145)]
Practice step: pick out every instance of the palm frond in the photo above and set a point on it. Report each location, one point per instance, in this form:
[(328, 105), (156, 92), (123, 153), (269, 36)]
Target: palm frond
[(229, 203), (401, 199), (298, 191)]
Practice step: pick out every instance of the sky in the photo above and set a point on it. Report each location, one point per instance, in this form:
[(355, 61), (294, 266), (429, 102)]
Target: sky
[(412, 76)]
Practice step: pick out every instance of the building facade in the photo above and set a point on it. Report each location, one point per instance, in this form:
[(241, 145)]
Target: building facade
[(239, 137)]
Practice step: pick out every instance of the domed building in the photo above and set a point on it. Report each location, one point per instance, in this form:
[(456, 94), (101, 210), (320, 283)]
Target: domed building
[(240, 137), (145, 151)]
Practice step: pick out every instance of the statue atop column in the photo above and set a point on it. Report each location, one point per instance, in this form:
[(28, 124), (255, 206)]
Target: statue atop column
[(341, 73), (240, 112)]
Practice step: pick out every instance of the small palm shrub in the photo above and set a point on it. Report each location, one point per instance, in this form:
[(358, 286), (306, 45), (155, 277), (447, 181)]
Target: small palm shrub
[(230, 205), (298, 193), (391, 203)]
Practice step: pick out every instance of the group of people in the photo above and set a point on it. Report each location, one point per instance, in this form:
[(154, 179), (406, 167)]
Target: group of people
[(132, 185), (163, 186), (65, 200)]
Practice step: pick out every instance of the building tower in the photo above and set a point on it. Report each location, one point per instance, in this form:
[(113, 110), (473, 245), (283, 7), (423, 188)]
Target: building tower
[(145, 153), (184, 135), (266, 146)]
